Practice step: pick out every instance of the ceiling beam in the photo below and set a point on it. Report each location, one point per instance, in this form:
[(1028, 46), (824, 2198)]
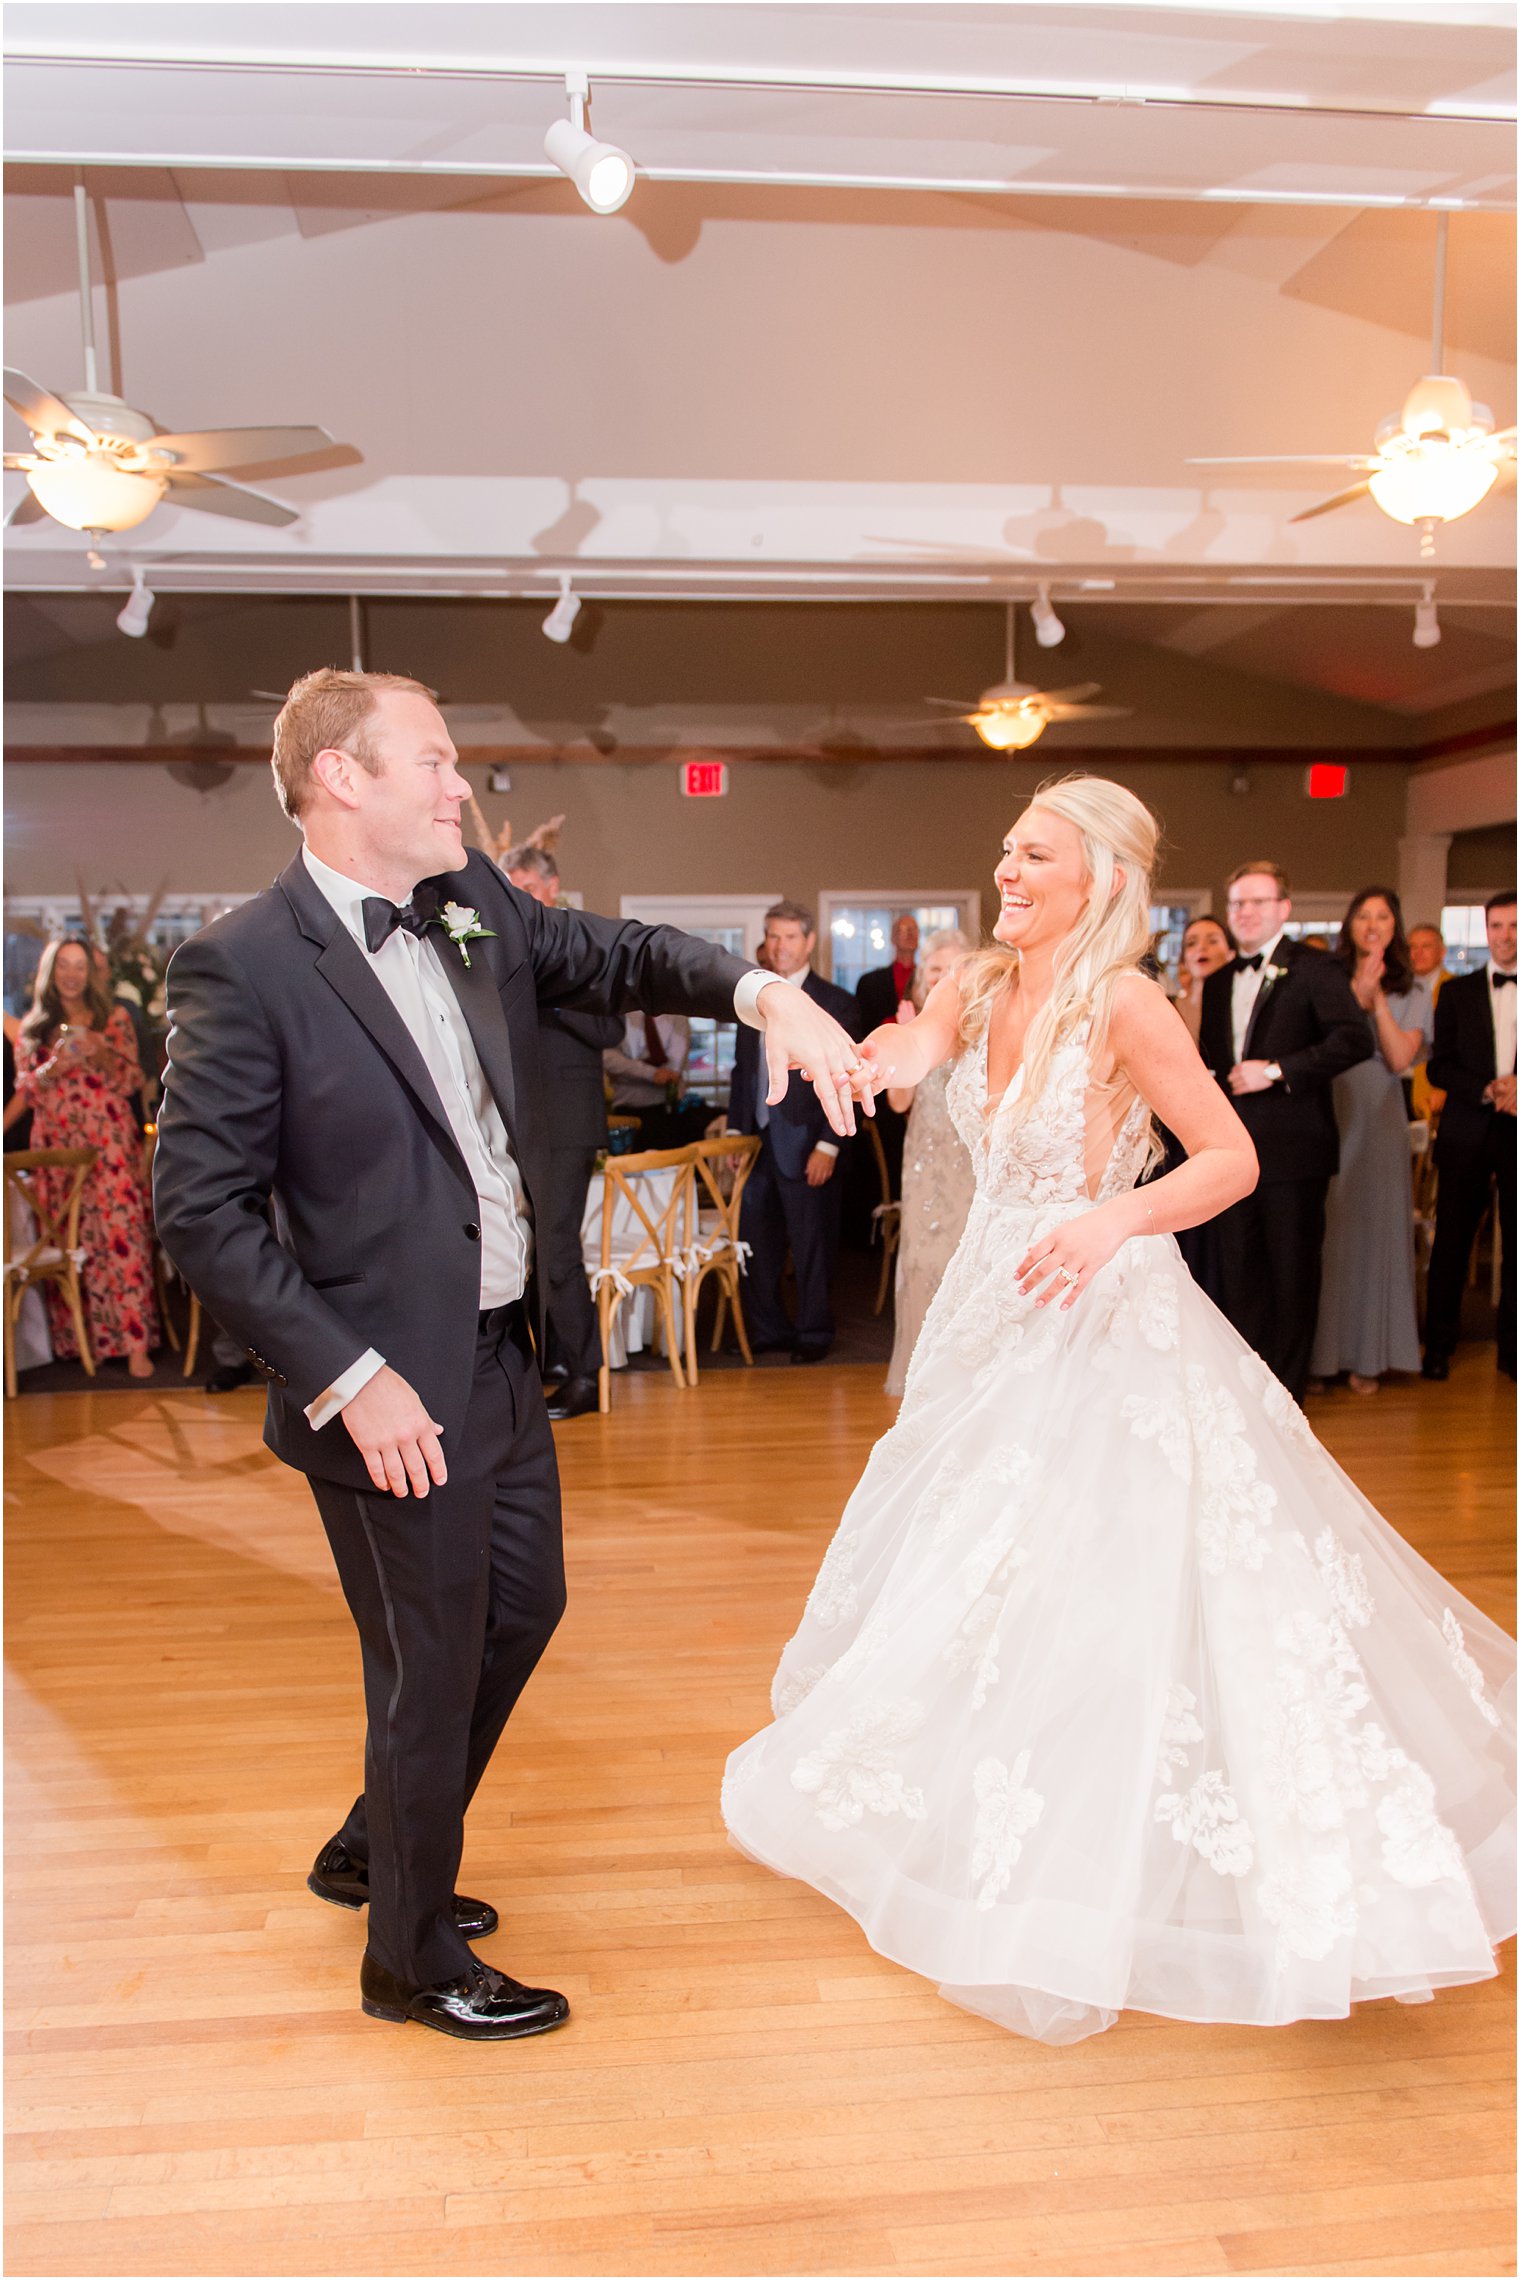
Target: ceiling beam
[(840, 755)]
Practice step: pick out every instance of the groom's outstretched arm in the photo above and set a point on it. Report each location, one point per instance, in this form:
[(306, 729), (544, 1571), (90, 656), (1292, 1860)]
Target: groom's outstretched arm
[(617, 964), (214, 1167)]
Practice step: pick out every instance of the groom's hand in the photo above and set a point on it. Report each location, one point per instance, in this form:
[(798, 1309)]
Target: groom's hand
[(800, 1035), (395, 1436)]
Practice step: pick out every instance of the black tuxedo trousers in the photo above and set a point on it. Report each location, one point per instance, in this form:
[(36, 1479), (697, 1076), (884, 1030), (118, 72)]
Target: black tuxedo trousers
[(1466, 1183), (455, 1595)]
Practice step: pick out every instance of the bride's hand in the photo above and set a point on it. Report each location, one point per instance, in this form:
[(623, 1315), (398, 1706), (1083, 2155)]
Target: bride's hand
[(1061, 1263)]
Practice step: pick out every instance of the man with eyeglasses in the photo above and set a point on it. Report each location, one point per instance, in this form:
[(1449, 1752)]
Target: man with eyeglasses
[(1278, 1023)]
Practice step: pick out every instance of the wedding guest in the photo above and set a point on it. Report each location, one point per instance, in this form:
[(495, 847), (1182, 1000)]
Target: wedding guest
[(879, 993), (1473, 1062), (792, 1194), (646, 1068), (1315, 941), (570, 1048), (18, 1117), (1278, 1024), (1367, 1320), (938, 1180), (76, 1064), (1427, 955), (1207, 944)]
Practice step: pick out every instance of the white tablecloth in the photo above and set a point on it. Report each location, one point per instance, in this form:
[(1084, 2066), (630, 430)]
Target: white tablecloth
[(634, 1325)]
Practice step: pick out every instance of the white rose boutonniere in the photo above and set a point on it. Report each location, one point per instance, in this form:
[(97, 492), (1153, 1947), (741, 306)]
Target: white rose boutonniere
[(462, 925), (1274, 974)]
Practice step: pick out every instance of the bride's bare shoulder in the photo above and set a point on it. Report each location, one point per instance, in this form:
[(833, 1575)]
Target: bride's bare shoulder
[(1141, 1015)]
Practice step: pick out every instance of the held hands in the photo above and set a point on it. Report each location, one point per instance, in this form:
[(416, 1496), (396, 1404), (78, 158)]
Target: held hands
[(1251, 1077), (798, 1034), (395, 1436), (1062, 1263)]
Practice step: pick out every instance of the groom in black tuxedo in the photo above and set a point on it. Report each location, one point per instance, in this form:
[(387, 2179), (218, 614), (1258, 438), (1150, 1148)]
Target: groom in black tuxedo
[(1473, 1063), (1276, 1025), (359, 1047)]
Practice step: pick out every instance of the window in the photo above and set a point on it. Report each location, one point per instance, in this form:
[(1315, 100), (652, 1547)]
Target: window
[(32, 921), (855, 929), (1464, 930), (735, 923)]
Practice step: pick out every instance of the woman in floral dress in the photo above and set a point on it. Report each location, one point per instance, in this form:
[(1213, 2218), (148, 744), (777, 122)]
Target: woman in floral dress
[(77, 1067), (1113, 1692)]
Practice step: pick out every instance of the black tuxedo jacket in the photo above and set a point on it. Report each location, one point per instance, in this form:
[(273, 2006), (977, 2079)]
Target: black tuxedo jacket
[(1310, 1023), (875, 999), (570, 1047), (292, 1076), (1461, 1063), (797, 1123)]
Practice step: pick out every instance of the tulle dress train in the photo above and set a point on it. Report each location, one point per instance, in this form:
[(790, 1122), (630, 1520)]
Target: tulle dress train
[(1113, 1691)]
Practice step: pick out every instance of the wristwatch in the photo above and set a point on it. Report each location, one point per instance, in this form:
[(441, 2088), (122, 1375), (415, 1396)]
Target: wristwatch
[(1274, 1072)]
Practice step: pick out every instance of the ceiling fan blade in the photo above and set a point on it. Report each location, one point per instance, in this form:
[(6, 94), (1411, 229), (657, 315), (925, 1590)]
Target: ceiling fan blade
[(27, 509), (1290, 459), (210, 495), (209, 448), (955, 704), (1328, 506), (43, 412), (1086, 712), (20, 461), (1072, 696)]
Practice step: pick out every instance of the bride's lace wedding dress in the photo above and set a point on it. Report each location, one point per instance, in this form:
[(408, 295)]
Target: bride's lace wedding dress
[(1113, 1691)]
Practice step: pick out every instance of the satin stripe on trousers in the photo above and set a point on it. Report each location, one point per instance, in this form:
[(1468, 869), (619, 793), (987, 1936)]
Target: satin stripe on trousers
[(455, 1596)]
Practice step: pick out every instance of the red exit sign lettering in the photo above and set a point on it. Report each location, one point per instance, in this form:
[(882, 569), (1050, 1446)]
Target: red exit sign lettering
[(704, 779)]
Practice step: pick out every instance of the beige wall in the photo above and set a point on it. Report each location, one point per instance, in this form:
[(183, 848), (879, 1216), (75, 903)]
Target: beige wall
[(803, 829)]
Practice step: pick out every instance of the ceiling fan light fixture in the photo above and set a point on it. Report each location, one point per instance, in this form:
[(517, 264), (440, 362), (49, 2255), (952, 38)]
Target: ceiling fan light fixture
[(1439, 405), (1049, 632), (1433, 483), (1008, 728), (93, 493)]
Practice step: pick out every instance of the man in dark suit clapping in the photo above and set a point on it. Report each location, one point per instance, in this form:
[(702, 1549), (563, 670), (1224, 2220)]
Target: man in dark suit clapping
[(1473, 1063), (1277, 1024), (792, 1196)]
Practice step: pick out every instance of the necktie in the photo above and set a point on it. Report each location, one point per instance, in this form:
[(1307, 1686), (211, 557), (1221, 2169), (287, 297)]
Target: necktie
[(1245, 965), (1503, 981), (381, 918), (654, 1044)]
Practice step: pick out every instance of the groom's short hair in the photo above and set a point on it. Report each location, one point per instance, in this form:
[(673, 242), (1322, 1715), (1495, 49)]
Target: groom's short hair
[(326, 710)]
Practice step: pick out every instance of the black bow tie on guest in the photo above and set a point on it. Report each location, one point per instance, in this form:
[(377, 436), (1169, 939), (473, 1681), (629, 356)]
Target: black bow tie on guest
[(1242, 965), (1503, 981), (381, 918)]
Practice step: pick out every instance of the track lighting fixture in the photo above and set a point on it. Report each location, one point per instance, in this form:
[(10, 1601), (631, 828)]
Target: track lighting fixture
[(1427, 626), (1049, 632), (133, 619), (557, 625), (603, 174)]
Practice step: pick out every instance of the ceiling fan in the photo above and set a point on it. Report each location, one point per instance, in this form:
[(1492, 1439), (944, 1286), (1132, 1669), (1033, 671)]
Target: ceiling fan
[(1012, 714), (97, 465), (1436, 459)]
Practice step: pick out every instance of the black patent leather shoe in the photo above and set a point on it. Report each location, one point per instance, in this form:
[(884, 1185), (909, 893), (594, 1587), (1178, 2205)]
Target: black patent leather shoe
[(480, 2006), (810, 1354), (338, 1877), (577, 1397), (228, 1380), (1437, 1367)]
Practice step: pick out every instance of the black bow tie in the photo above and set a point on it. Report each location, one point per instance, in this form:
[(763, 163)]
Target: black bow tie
[(1503, 981), (381, 918), (1242, 965)]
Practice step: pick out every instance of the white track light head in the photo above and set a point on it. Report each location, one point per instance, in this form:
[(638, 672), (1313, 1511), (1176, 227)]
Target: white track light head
[(133, 619), (561, 619), (1049, 632), (1427, 626), (603, 174)]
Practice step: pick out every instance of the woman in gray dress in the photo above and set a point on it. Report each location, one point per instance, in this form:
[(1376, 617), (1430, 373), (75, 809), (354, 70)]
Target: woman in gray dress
[(1367, 1309)]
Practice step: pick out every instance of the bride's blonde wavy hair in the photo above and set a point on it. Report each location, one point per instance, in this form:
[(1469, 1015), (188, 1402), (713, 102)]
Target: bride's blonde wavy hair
[(1120, 844)]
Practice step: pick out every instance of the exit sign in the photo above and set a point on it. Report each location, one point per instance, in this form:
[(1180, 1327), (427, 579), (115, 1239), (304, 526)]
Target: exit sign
[(704, 779), (1326, 780)]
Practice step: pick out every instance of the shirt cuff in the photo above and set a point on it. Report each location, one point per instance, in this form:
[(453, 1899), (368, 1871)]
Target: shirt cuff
[(747, 995), (826, 1147), (341, 1392)]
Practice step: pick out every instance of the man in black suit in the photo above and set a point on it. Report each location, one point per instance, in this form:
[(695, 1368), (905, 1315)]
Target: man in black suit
[(360, 1043), (879, 993), (570, 1048), (1276, 1025), (792, 1195), (1473, 1063)]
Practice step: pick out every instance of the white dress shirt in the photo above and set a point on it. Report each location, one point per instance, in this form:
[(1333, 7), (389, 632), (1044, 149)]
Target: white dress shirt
[(1245, 988), (1501, 1005), (636, 1083), (411, 974)]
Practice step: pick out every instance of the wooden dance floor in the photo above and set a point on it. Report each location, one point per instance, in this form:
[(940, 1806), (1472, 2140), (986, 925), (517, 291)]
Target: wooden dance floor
[(744, 2088)]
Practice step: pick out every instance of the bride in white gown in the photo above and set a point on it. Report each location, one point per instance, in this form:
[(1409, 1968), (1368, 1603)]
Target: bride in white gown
[(1113, 1692)]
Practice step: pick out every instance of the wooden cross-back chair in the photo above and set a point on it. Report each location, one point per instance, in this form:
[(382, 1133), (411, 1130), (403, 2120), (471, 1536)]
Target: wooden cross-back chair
[(164, 1271), (723, 1166), (49, 1252), (647, 1251), (886, 1219)]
